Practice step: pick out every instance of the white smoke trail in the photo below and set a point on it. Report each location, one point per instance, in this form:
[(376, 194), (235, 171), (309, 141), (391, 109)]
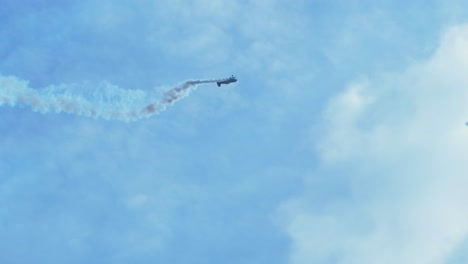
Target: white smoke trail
[(103, 101)]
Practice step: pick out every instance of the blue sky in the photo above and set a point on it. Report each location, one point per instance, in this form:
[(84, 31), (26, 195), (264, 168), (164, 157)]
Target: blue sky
[(344, 140)]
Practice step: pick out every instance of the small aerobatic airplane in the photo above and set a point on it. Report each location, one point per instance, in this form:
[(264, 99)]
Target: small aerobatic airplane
[(227, 81)]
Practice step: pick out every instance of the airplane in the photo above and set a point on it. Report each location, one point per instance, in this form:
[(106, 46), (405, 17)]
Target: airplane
[(227, 81)]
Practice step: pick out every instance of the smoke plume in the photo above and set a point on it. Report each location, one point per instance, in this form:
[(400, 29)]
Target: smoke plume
[(103, 100)]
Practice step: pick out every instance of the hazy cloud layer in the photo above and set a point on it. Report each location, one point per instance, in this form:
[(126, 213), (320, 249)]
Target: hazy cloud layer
[(395, 148), (202, 182)]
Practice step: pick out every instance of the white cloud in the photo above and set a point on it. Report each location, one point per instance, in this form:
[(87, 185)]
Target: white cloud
[(344, 114), (399, 146)]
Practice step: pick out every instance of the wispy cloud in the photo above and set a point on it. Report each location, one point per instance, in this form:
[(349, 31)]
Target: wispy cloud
[(397, 145)]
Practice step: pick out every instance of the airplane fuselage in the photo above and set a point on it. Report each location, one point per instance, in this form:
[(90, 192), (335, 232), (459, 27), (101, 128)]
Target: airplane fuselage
[(227, 81)]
